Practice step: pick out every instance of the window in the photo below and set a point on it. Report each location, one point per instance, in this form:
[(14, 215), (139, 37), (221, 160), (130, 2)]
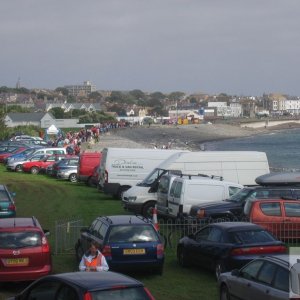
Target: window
[(281, 281), (271, 208), (102, 231), (164, 185), (96, 229), (4, 196), (250, 236), (66, 293), (292, 209), (203, 234), (251, 270), (215, 235), (177, 190), (44, 291), (14, 240), (233, 190), (267, 273)]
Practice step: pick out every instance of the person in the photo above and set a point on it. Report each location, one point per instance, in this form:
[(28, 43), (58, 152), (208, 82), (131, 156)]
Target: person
[(93, 260)]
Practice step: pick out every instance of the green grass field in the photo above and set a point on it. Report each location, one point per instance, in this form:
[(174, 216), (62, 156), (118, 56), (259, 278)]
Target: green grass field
[(51, 200)]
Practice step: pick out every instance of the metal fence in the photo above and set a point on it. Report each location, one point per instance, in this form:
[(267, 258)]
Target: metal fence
[(67, 232)]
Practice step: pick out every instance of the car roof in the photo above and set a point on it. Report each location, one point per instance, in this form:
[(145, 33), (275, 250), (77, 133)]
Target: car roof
[(236, 225), (282, 259), (98, 280), (125, 219), (18, 222), (273, 187)]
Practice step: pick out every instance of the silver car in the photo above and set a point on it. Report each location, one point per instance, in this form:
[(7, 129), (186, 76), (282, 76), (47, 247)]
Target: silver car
[(16, 165), (269, 277)]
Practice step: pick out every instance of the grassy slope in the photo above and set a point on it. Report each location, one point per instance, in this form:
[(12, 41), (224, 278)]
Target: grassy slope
[(50, 200)]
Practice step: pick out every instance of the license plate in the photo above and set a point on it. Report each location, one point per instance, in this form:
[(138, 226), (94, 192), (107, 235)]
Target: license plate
[(17, 261), (133, 251)]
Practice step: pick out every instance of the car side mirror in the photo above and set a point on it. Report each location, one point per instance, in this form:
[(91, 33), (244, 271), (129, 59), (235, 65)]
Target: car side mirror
[(191, 236), (154, 187), (46, 232), (84, 229), (13, 194), (235, 273)]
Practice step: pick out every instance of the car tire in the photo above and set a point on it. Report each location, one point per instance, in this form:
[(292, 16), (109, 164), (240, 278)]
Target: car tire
[(18, 168), (147, 209), (182, 257), (73, 177), (121, 190), (219, 268), (224, 293), (79, 252), (34, 170), (90, 182)]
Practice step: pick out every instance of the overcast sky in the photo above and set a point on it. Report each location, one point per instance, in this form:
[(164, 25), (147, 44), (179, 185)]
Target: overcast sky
[(238, 47)]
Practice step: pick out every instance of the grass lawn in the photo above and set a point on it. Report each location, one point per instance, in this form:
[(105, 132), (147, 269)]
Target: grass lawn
[(51, 200)]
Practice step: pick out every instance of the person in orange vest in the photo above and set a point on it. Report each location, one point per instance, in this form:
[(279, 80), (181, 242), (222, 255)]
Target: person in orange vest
[(93, 260)]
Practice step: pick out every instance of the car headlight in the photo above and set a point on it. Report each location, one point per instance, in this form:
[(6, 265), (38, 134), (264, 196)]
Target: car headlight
[(132, 199)]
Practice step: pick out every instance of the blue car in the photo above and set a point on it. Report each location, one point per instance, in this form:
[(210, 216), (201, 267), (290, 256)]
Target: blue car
[(128, 243), (7, 203), (21, 155)]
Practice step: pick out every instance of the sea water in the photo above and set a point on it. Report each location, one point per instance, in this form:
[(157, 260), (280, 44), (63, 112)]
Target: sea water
[(282, 148)]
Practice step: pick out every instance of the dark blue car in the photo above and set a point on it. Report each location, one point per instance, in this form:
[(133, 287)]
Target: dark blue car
[(127, 242)]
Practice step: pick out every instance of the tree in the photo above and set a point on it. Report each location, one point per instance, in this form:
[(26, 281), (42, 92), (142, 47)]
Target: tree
[(118, 109), (116, 96), (95, 96), (137, 94), (176, 96), (57, 112), (62, 90), (157, 95)]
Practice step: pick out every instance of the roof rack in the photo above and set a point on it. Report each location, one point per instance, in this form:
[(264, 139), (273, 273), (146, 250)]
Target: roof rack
[(202, 175)]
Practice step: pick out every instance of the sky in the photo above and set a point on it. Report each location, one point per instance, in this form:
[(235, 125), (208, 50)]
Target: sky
[(236, 47)]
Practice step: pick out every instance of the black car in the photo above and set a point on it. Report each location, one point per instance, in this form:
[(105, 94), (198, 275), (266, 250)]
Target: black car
[(85, 286), (227, 245), (128, 243), (234, 207)]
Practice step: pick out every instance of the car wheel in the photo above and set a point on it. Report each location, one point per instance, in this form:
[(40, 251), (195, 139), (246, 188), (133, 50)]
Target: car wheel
[(79, 252), (73, 177), (90, 182), (34, 170), (18, 168), (219, 268), (121, 190), (147, 209), (182, 257), (224, 293)]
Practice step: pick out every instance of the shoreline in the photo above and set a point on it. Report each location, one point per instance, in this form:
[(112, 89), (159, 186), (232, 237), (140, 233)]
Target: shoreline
[(186, 137)]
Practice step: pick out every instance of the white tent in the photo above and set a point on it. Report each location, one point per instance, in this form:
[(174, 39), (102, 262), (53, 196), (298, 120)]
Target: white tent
[(52, 130)]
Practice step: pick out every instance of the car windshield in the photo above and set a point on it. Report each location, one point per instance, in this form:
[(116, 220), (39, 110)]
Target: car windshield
[(240, 196), (135, 293), (250, 236), (132, 233), (4, 197), (15, 240), (155, 174)]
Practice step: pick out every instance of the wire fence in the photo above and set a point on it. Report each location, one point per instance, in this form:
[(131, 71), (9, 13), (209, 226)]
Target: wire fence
[(67, 232)]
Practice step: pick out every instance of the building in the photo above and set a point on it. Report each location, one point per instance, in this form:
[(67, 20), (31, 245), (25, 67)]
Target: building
[(81, 90)]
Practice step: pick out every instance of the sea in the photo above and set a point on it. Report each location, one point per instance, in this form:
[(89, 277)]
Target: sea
[(282, 148)]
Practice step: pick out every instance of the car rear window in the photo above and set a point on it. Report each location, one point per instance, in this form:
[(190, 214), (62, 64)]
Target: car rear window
[(250, 236), (271, 209), (14, 240), (132, 233), (136, 293), (3, 196)]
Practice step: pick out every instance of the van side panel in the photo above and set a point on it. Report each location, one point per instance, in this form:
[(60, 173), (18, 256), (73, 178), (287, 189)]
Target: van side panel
[(87, 162)]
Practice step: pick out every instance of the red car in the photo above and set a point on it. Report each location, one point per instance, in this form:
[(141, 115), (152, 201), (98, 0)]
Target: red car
[(34, 167), (279, 216), (24, 250)]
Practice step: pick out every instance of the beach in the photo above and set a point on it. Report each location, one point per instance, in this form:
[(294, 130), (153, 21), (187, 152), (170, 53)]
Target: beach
[(189, 137)]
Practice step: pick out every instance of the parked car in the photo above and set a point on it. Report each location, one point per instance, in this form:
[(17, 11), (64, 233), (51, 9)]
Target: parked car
[(227, 245), (270, 277), (128, 242), (67, 169), (86, 286), (19, 156), (34, 167), (236, 207), (11, 151), (281, 217), (7, 203), (17, 165), (87, 162), (24, 250)]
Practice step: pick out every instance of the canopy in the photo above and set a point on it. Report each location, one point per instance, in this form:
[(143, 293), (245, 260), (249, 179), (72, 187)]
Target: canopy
[(52, 130)]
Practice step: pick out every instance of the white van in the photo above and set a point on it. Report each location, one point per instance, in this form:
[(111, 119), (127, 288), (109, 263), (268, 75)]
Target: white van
[(121, 168), (55, 150), (236, 166), (185, 192)]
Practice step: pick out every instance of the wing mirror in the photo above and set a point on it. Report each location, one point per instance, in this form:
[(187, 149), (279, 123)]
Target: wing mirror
[(235, 272)]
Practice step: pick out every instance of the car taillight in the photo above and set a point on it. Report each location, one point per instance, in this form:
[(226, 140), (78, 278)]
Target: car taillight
[(87, 296), (201, 213), (259, 250), (45, 245), (11, 207), (106, 251), (106, 176), (160, 250), (149, 294)]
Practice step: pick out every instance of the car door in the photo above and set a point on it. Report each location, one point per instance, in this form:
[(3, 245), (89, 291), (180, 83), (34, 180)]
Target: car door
[(175, 197), (291, 219)]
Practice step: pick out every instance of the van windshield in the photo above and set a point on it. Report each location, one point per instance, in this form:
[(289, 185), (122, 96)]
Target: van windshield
[(154, 175)]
